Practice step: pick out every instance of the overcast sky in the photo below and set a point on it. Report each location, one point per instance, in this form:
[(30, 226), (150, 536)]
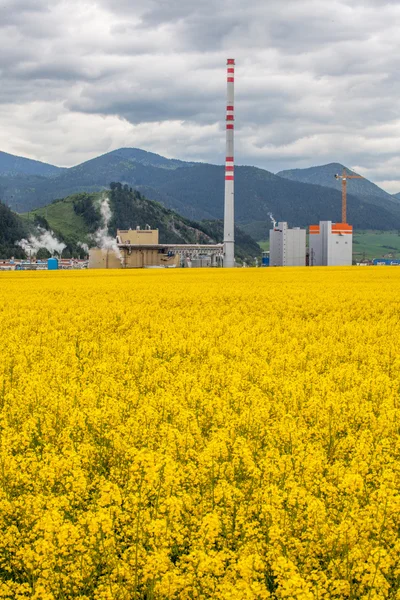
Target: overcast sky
[(317, 81)]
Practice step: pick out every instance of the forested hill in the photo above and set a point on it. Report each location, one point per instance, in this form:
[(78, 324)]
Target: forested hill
[(12, 229), (75, 218), (196, 191)]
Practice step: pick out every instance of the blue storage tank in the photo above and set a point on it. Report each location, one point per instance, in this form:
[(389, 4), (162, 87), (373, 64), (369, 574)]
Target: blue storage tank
[(52, 264), (265, 259)]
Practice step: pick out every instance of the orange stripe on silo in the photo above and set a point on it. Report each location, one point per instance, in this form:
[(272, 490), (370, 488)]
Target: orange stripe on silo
[(314, 229), (342, 228)]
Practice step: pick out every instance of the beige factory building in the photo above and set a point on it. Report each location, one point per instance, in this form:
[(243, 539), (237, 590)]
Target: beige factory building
[(138, 248), (103, 259)]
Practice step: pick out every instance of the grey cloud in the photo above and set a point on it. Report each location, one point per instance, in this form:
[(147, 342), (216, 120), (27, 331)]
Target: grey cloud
[(316, 81)]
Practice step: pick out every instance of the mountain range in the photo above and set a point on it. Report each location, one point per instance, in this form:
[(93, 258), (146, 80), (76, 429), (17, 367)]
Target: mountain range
[(196, 190)]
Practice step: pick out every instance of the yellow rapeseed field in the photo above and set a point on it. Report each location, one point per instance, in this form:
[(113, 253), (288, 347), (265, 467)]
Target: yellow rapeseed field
[(194, 434)]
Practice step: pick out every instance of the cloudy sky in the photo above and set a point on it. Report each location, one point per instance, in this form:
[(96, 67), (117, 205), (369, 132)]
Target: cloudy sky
[(317, 81)]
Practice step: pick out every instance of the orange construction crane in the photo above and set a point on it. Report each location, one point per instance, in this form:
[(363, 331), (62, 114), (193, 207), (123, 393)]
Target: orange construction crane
[(344, 177)]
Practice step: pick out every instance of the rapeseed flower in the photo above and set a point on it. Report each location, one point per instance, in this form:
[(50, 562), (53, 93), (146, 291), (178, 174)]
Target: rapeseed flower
[(194, 434)]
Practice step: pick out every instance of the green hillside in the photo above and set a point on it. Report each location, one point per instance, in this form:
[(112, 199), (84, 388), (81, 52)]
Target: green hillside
[(76, 217), (61, 217), (376, 244)]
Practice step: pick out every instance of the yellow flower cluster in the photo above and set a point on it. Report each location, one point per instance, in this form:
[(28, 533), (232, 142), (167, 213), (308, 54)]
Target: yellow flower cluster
[(194, 434)]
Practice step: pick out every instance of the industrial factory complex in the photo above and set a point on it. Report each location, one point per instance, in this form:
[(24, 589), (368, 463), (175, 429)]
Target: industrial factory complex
[(330, 244)]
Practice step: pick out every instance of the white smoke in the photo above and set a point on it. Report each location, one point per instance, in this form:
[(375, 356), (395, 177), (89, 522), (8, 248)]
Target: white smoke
[(43, 239), (84, 247), (272, 220), (101, 237)]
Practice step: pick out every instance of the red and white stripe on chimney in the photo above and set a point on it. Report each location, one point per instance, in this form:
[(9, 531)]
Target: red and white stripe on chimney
[(230, 118), (229, 241)]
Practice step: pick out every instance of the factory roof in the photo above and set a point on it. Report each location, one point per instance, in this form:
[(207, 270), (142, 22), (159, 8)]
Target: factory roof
[(172, 246)]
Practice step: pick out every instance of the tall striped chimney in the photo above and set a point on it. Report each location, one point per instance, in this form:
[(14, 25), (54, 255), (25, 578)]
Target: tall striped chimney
[(229, 221)]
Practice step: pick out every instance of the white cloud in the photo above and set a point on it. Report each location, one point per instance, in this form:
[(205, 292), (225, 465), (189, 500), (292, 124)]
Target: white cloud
[(317, 80)]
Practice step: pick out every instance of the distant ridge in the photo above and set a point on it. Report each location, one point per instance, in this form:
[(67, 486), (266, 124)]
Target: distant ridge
[(16, 165), (136, 155), (325, 175)]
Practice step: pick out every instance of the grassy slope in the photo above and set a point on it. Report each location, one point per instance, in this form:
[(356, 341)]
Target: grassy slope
[(376, 244), (62, 217)]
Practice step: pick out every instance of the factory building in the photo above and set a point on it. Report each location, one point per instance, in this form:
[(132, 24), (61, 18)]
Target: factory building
[(139, 248), (133, 249), (331, 244), (106, 258), (287, 247)]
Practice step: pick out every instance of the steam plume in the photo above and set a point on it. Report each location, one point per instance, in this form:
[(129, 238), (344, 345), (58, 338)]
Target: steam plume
[(101, 237), (43, 239)]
